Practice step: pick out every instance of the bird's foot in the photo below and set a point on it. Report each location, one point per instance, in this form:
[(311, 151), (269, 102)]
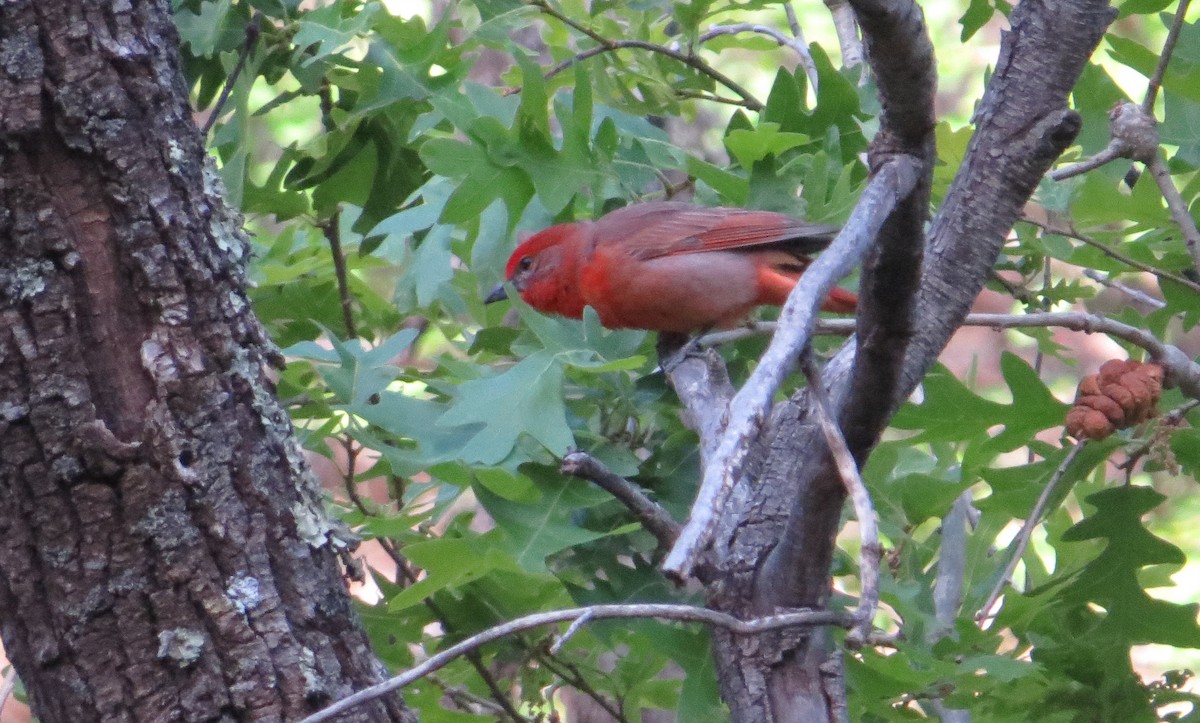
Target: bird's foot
[(675, 348)]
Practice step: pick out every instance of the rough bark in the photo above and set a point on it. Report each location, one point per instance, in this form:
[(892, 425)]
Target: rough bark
[(780, 524), (164, 554)]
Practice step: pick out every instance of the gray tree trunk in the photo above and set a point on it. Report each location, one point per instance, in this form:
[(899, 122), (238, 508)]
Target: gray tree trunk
[(164, 554)]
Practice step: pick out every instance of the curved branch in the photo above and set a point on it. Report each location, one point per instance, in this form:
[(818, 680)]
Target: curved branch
[(681, 613), (654, 518), (1180, 368), (795, 43), (894, 180), (901, 57), (870, 551)]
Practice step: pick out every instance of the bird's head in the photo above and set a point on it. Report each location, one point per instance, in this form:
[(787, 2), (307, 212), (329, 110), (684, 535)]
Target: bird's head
[(543, 269)]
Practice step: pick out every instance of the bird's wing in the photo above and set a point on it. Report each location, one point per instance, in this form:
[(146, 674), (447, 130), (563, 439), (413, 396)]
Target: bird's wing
[(668, 228)]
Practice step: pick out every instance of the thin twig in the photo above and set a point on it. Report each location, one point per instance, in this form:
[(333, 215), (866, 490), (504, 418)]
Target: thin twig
[(710, 97), (1181, 370), (1134, 135), (570, 633), (870, 551), (653, 517), (332, 227), (464, 698), (1017, 291), (570, 674), (1021, 541), (1136, 294), (1113, 253), (1178, 207), (893, 181), (687, 59), (679, 613), (810, 66), (796, 43), (405, 575), (253, 30), (1164, 57), (1114, 150), (333, 235), (1169, 420), (553, 12)]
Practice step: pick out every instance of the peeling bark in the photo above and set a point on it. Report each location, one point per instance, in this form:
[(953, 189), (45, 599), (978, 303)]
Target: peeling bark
[(164, 553)]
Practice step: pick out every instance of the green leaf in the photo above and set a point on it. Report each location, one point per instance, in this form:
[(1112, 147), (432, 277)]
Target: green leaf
[(978, 13), (525, 399), (950, 411), (449, 562), (216, 27), (1111, 580), (733, 188), (362, 371), (535, 531), (749, 147)]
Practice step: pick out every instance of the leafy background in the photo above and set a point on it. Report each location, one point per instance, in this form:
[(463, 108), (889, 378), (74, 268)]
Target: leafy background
[(414, 141)]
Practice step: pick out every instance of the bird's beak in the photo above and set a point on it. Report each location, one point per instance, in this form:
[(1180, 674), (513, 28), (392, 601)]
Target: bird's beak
[(498, 294)]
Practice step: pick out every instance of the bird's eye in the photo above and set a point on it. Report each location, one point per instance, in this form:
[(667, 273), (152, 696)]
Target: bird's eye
[(525, 263)]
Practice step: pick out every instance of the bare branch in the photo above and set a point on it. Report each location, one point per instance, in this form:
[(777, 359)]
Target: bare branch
[(1178, 207), (1021, 541), (1164, 58), (253, 31), (847, 32), (894, 180), (1113, 253), (1181, 370), (951, 567), (654, 518), (810, 68), (948, 587), (1134, 135), (870, 551), (796, 43), (680, 613), (1136, 294), (1114, 150), (573, 628), (702, 384), (331, 228)]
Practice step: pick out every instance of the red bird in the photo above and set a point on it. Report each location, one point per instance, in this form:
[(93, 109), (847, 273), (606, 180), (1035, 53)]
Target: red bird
[(668, 266)]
